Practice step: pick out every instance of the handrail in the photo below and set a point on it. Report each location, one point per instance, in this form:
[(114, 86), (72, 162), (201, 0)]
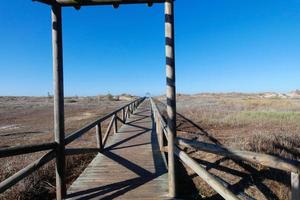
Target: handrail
[(205, 175), (25, 149), (249, 156), (291, 166), (76, 134), (12, 180)]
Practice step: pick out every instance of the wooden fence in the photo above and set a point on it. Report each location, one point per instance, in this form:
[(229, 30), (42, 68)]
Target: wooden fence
[(291, 166), (126, 111)]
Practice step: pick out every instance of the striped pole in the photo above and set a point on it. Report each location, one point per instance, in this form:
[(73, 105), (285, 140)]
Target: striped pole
[(171, 92)]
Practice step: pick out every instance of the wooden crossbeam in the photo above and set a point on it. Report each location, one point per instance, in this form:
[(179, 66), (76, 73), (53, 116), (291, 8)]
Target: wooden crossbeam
[(80, 3)]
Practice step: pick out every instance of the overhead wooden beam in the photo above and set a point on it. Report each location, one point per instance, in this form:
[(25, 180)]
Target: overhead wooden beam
[(98, 2)]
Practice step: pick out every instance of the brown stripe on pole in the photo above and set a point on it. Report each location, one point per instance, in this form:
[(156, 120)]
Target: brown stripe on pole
[(171, 92), (58, 100)]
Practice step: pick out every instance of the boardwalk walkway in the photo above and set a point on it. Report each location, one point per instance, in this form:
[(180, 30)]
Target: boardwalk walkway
[(131, 167)]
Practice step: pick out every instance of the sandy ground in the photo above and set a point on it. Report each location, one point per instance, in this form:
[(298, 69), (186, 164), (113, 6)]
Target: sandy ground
[(267, 123), (27, 120)]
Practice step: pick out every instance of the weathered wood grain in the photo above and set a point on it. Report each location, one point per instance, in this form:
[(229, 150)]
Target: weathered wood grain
[(206, 176), (252, 157), (98, 2), (7, 183), (130, 167), (295, 186), (58, 85), (24, 149)]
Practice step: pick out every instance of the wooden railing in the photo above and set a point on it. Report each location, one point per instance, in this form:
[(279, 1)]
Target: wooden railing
[(291, 166), (126, 110)]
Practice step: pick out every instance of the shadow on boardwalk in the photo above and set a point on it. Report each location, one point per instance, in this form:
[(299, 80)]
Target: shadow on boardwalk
[(130, 167)]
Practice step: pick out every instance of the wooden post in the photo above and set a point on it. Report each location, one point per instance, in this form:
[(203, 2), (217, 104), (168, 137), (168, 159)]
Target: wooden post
[(123, 116), (99, 136), (128, 111), (115, 123), (58, 100), (171, 92), (295, 186), (160, 134)]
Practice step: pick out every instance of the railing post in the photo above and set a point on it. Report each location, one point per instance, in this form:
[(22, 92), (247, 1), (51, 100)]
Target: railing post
[(99, 136), (171, 92), (128, 111), (123, 115), (115, 123), (295, 186), (58, 100), (160, 135)]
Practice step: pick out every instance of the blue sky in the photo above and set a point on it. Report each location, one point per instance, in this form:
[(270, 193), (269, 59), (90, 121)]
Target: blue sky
[(221, 46)]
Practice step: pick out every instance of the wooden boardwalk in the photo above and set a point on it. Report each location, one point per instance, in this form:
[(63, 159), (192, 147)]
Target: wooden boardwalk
[(131, 167)]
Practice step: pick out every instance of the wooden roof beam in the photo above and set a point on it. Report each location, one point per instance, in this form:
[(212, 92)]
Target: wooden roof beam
[(79, 3)]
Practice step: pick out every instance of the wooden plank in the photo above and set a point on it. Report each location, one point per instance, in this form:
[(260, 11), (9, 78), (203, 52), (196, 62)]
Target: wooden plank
[(24, 149), (7, 183), (108, 131), (206, 176), (98, 2), (77, 151), (258, 158), (78, 133), (295, 186), (130, 167)]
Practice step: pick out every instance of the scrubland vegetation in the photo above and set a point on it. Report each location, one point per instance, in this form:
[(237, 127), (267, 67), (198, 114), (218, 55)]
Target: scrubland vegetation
[(29, 120), (255, 122)]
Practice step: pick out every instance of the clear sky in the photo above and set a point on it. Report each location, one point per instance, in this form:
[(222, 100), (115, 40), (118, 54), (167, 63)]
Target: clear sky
[(221, 46)]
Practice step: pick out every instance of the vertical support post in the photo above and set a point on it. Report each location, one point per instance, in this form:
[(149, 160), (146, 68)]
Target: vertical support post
[(58, 100), (123, 115), (128, 111), (171, 92), (160, 134), (99, 136), (295, 186), (115, 123)]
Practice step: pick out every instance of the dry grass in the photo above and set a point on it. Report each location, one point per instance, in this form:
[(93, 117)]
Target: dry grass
[(29, 120), (242, 121)]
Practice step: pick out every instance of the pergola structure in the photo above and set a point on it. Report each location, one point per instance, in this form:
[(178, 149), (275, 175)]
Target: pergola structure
[(57, 45)]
